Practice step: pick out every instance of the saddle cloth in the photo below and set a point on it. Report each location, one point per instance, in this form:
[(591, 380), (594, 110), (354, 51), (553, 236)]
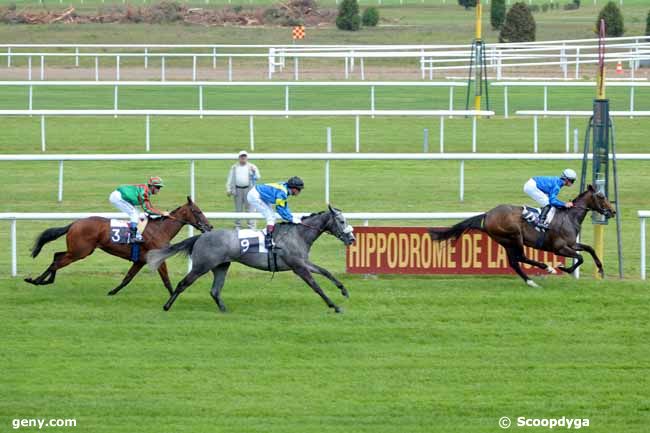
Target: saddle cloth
[(251, 241), (121, 233), (531, 215)]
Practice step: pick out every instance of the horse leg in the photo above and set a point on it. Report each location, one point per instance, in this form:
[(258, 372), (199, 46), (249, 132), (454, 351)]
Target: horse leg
[(47, 277), (567, 251), (324, 272), (164, 276), (513, 260), (182, 285), (304, 273), (219, 279), (133, 270), (590, 250), (522, 258)]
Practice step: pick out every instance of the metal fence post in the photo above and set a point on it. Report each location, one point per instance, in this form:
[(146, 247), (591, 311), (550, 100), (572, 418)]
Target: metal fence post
[(327, 166), (425, 142), (643, 247), (147, 128), (31, 97), (230, 68), (96, 68), (567, 140), (462, 180), (505, 101), (474, 121), (192, 180), (535, 134), (201, 100), (162, 68), (14, 253), (251, 128), (60, 197), (442, 134), (146, 58), (42, 133), (357, 134), (76, 57), (193, 68), (29, 68), (42, 68), (117, 68)]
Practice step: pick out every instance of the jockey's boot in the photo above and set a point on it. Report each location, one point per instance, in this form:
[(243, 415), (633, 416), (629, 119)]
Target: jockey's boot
[(541, 223), (135, 235), (268, 238)]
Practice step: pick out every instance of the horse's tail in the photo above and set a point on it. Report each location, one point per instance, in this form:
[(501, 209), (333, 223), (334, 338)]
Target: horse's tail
[(48, 236), (475, 222), (156, 257)]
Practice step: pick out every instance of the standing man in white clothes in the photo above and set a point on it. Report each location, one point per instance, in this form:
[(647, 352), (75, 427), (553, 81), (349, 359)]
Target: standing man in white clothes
[(242, 177)]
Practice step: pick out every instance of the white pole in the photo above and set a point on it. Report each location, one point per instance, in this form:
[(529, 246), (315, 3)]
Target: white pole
[(578, 63), (42, 68), (295, 68), (14, 255), (451, 99), (632, 98), (229, 68), (42, 133), (505, 101), (535, 134), (192, 180), (372, 100), (575, 140), (545, 98), (162, 69), (9, 57), (271, 62), (60, 198), (193, 68), (462, 180), (442, 134), (146, 58), (642, 248), (576, 273), (286, 100), (190, 233), (567, 140), (29, 68), (251, 129), (117, 68), (96, 68), (474, 121), (363, 70), (327, 166), (347, 67), (147, 128), (357, 141), (201, 100), (214, 57), (115, 99), (31, 97), (76, 57)]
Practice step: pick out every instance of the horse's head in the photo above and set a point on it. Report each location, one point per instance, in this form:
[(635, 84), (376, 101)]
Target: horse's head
[(339, 227), (597, 201), (190, 214)]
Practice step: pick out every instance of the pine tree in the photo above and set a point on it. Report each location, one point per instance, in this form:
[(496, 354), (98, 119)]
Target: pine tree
[(613, 20), (519, 25), (348, 17), (468, 3), (497, 13)]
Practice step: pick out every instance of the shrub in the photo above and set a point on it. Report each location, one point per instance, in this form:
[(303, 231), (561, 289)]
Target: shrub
[(534, 8), (166, 12), (370, 17), (545, 7), (519, 25), (467, 3), (647, 25), (613, 20), (348, 17), (497, 13)]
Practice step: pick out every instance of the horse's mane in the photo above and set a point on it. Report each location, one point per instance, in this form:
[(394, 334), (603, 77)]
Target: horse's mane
[(582, 194)]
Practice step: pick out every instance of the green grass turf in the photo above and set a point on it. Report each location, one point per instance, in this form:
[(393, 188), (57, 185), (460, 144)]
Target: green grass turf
[(429, 354)]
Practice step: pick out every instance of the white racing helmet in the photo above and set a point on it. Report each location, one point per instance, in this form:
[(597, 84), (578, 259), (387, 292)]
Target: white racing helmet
[(569, 174)]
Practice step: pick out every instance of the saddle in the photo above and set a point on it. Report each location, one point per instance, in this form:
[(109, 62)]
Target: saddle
[(121, 232), (531, 216), (251, 241)]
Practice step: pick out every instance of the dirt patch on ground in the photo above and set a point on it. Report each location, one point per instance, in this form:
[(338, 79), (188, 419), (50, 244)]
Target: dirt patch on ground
[(289, 13)]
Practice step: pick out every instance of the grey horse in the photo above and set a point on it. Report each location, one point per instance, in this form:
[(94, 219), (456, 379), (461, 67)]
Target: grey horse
[(217, 249)]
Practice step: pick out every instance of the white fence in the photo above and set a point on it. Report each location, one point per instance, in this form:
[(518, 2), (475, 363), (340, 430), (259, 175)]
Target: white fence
[(14, 217), (643, 215), (327, 157), (251, 114)]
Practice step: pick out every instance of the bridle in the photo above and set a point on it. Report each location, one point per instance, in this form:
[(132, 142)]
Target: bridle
[(200, 226), (337, 236)]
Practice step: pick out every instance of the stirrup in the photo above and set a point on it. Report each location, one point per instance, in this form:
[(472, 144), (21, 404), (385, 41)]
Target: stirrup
[(138, 239)]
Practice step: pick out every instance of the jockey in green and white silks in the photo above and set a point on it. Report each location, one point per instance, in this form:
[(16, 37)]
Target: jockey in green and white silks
[(132, 199), (264, 196), (545, 189)]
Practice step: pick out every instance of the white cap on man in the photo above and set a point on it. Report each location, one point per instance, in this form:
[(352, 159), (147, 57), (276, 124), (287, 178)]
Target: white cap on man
[(242, 153)]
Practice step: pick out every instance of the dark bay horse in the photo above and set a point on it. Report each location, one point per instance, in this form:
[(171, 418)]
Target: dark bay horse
[(505, 225), (84, 235), (215, 251)]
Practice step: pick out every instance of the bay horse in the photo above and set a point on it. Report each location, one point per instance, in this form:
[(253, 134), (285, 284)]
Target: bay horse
[(216, 250), (84, 235), (505, 225)]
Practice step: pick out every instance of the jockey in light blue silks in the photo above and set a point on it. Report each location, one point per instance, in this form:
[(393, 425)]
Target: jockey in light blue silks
[(545, 189), (263, 197)]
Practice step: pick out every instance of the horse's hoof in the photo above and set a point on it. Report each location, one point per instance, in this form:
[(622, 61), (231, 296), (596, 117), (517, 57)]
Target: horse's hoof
[(551, 270), (166, 307), (222, 308), (563, 269), (345, 293), (30, 281), (111, 293), (338, 309), (601, 272), (531, 283)]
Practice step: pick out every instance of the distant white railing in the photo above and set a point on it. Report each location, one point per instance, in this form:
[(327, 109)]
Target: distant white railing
[(567, 114), (365, 216), (327, 157), (643, 215), (251, 114)]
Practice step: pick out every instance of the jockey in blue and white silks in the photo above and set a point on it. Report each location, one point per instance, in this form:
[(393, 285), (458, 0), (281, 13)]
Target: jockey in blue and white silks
[(545, 189), (263, 197)]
